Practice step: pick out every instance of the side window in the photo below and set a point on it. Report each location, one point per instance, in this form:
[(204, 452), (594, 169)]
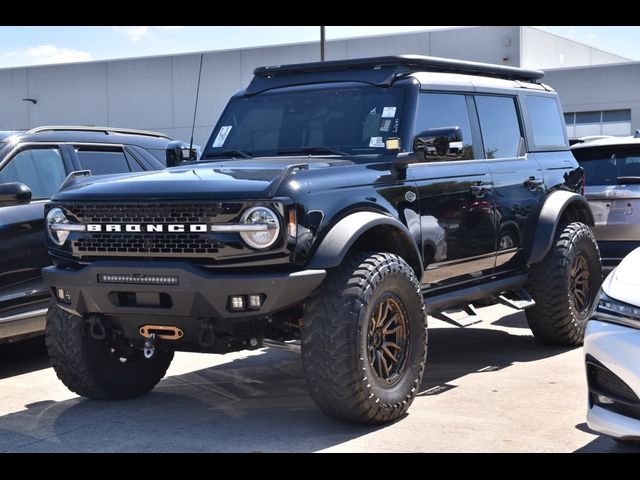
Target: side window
[(134, 164), (546, 122), (161, 155), (499, 125), (444, 117), (40, 169), (102, 161)]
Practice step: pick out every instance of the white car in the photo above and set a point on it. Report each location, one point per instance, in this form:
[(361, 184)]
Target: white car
[(612, 354)]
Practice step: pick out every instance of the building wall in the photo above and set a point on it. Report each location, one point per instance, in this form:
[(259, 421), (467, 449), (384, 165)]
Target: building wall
[(541, 49), (158, 93), (599, 88)]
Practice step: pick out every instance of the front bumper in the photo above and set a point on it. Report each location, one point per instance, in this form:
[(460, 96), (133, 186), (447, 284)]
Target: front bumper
[(616, 349), (198, 294)]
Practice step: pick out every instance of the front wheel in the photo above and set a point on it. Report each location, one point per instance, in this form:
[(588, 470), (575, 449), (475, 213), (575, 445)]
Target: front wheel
[(93, 368), (364, 339), (564, 286)]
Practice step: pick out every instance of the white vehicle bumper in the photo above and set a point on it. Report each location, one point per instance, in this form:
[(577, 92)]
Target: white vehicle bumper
[(616, 348)]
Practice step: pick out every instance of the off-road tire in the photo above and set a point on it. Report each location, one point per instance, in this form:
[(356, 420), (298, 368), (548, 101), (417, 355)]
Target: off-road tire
[(335, 339), (554, 319), (87, 367)]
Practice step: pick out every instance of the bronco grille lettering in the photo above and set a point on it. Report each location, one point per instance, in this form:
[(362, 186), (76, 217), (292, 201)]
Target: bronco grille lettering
[(136, 227)]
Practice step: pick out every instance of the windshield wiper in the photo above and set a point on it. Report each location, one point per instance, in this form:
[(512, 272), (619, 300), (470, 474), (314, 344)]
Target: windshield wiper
[(228, 154), (318, 149)]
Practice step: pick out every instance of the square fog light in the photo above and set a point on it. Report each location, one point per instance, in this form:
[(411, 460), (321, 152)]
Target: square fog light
[(255, 301), (236, 302)]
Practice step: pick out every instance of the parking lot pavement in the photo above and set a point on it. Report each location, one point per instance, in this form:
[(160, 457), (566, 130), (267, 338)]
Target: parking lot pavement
[(488, 388)]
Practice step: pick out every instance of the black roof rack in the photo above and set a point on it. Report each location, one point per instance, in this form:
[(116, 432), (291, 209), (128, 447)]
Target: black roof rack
[(381, 71), (105, 130)]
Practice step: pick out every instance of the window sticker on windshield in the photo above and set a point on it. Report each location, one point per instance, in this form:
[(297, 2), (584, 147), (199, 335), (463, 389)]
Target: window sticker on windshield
[(389, 112), (384, 125), (376, 142), (222, 136)]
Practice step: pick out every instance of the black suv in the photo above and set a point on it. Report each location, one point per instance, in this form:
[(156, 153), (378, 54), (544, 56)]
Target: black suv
[(336, 204), (33, 166)]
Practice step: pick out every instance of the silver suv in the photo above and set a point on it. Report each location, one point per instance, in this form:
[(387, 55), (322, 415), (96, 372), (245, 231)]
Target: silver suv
[(612, 186)]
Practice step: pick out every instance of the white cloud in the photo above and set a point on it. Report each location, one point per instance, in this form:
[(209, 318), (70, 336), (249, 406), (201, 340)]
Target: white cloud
[(592, 36), (44, 54), (134, 33)]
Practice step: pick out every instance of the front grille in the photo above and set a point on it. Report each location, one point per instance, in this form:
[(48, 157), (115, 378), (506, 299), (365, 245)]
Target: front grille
[(205, 245), (150, 212), (147, 243)]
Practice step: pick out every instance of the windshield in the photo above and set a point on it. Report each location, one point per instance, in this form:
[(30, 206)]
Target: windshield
[(604, 165), (350, 120)]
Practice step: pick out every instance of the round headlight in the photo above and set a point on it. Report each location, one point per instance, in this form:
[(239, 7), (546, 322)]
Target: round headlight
[(267, 227), (57, 217)]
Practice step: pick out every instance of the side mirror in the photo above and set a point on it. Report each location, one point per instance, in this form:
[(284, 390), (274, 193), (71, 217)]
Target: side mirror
[(178, 152), (436, 143), (14, 194)]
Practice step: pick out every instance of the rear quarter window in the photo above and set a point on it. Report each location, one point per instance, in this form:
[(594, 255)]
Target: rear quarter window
[(546, 121)]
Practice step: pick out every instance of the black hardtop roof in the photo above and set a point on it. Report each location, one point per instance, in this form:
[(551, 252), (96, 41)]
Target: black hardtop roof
[(380, 71)]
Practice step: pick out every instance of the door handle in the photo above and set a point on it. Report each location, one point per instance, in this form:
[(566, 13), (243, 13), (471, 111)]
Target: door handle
[(480, 189), (533, 183)]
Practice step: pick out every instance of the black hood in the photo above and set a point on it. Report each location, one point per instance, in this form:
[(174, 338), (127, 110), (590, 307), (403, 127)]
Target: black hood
[(245, 179)]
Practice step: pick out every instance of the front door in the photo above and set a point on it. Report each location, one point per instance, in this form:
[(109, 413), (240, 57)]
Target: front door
[(455, 191), (22, 235)]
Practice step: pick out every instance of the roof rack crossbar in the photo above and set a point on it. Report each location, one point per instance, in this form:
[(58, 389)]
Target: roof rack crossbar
[(105, 130)]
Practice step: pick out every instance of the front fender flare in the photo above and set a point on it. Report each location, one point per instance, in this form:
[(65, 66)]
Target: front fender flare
[(342, 236)]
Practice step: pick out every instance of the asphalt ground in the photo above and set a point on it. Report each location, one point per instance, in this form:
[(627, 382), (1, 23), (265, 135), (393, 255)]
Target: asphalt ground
[(487, 388)]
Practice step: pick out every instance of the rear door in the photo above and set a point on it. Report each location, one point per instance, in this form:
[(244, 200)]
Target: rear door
[(518, 181)]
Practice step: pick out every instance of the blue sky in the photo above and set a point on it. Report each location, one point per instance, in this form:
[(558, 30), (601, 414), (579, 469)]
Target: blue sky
[(42, 45)]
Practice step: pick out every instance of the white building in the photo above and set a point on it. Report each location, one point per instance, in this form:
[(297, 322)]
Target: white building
[(158, 93)]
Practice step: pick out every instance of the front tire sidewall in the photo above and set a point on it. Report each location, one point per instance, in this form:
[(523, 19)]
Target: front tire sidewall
[(403, 291)]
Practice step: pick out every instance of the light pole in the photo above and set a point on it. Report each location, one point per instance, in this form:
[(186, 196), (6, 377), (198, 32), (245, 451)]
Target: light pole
[(322, 41)]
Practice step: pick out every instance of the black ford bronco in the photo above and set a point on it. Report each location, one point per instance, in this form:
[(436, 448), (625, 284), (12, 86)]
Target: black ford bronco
[(335, 205)]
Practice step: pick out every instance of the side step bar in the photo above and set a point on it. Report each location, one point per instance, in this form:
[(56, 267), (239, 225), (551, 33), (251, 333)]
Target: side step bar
[(472, 317), (467, 295), (442, 306), (521, 302)]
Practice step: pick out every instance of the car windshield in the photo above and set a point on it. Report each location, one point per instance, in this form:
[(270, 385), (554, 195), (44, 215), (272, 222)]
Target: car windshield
[(605, 165), (334, 122)]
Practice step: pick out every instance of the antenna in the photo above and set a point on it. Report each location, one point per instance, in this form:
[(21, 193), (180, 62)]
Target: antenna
[(195, 108)]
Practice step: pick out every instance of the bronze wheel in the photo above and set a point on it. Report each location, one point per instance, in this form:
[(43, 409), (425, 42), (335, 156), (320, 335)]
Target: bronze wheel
[(387, 340), (580, 275)]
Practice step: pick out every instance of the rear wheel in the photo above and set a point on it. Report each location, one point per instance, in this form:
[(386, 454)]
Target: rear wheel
[(564, 286), (364, 339), (94, 368)]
